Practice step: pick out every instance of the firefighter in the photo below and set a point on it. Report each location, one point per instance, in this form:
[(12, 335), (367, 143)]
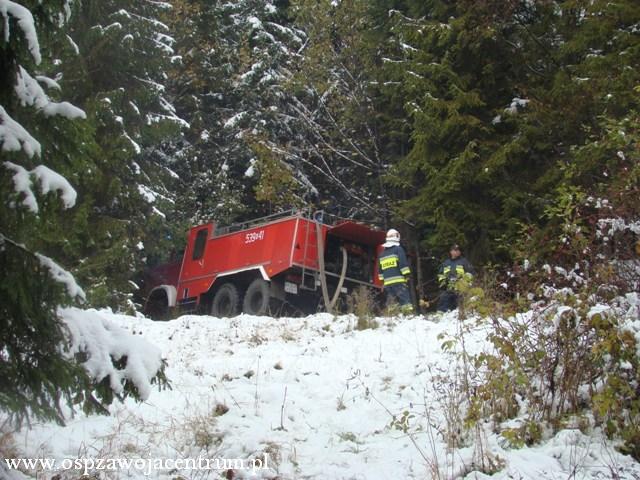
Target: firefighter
[(394, 271), (451, 270)]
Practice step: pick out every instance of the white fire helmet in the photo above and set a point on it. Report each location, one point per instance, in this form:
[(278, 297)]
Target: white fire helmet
[(393, 238), (393, 235)]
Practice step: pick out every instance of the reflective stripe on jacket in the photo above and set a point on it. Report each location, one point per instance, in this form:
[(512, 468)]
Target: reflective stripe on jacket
[(452, 270), (393, 266)]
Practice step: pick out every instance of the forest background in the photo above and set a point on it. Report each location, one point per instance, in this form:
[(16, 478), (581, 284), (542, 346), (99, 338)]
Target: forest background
[(486, 123)]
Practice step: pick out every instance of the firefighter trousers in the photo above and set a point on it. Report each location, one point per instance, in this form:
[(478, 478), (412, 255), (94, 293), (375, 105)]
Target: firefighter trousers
[(399, 292)]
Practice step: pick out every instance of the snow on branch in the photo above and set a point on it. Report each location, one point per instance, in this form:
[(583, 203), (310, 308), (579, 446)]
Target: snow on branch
[(158, 117), (26, 24), (608, 227), (49, 82), (22, 186), (31, 93), (49, 180), (61, 275), (58, 273), (105, 343), (161, 5), (516, 104), (152, 21), (13, 136)]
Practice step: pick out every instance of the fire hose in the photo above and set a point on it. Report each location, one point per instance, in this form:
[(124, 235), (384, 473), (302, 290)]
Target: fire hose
[(329, 303)]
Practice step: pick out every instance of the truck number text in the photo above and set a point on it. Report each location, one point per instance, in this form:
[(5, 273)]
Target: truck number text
[(254, 236)]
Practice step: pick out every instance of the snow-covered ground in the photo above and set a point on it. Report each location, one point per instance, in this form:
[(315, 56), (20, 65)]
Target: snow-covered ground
[(312, 398)]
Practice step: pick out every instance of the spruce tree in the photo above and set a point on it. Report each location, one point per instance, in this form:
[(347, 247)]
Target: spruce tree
[(47, 147), (228, 85), (36, 378), (501, 96), (122, 53)]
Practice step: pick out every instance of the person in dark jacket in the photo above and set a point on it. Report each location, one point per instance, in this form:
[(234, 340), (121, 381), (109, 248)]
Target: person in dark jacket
[(451, 270), (394, 271)]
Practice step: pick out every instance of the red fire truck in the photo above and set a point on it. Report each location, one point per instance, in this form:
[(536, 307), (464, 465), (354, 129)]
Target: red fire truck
[(293, 259)]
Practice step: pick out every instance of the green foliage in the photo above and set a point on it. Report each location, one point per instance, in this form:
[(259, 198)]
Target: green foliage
[(35, 379), (505, 100), (228, 86), (528, 434), (403, 421), (119, 77), (38, 378), (276, 185), (559, 362), (569, 355)]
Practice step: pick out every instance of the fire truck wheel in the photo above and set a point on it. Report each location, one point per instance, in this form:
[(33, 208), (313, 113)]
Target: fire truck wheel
[(256, 299), (226, 301)]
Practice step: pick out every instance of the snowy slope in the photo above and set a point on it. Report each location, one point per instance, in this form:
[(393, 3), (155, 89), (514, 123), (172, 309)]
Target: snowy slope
[(315, 398)]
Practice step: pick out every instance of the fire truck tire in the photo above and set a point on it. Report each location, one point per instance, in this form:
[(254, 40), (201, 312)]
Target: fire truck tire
[(226, 301), (257, 298)]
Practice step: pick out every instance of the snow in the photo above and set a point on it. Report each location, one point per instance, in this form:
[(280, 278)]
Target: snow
[(30, 93), (157, 118), (105, 342), (13, 136), (135, 146), (630, 310), (26, 24), (22, 186), (135, 107), (254, 69), (516, 103), (60, 275), (74, 45), (408, 47), (149, 195), (158, 212), (251, 170), (152, 21), (315, 395), (254, 22), (234, 120), (162, 5), (611, 226), (49, 82), (598, 309), (163, 46), (49, 180)]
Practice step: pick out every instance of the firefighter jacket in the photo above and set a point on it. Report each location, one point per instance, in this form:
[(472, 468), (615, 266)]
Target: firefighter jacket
[(453, 269), (393, 265)]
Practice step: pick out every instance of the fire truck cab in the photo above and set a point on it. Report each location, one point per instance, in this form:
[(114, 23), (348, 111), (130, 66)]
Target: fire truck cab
[(292, 259)]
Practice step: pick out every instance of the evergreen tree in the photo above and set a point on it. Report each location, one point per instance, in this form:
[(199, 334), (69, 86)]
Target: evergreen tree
[(46, 146), (501, 95), (234, 60), (118, 66), (34, 376)]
